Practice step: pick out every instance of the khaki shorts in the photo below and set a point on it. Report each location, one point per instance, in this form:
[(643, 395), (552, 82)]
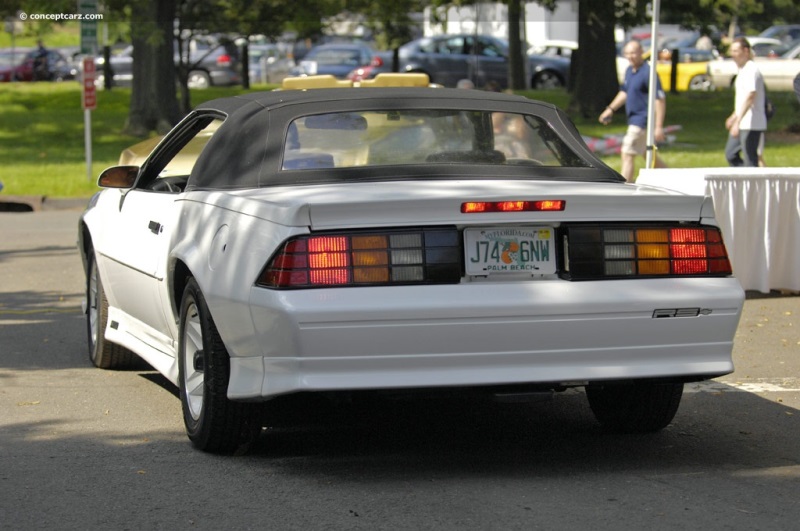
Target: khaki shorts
[(635, 141)]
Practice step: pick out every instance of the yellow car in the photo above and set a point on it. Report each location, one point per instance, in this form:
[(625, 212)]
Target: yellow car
[(136, 154), (692, 69)]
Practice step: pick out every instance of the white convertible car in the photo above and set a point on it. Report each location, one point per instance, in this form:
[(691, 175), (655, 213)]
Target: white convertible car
[(337, 240)]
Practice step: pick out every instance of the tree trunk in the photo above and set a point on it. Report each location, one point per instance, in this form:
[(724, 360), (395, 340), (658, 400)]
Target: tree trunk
[(516, 54), (593, 69), (154, 104), (732, 28)]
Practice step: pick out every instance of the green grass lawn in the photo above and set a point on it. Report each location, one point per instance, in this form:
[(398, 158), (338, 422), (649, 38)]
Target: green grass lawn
[(42, 136), (42, 133), (701, 141)]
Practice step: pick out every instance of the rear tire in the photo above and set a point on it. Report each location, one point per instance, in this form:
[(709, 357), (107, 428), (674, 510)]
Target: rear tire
[(198, 79), (102, 352), (701, 82), (638, 407), (213, 422), (546, 80)]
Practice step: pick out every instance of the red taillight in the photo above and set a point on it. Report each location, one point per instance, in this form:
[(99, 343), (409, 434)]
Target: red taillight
[(359, 259), (358, 74), (548, 205), (327, 244), (689, 251), (224, 60), (376, 61), (595, 252)]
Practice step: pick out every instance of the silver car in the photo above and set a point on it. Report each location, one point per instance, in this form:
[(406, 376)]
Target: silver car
[(268, 63)]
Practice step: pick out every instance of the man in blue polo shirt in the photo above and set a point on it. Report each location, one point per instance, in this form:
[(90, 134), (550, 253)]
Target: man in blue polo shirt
[(633, 94)]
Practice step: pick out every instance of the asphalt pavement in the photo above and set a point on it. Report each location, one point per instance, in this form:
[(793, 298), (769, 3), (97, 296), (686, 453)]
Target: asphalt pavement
[(83, 448)]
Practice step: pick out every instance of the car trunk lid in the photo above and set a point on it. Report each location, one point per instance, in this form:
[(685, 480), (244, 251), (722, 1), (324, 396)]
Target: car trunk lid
[(409, 203)]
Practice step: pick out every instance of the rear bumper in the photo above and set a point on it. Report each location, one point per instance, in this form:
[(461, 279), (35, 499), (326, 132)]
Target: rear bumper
[(224, 77), (484, 334)]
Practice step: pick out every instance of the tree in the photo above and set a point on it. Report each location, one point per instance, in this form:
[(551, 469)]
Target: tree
[(241, 19), (191, 16), (154, 104), (517, 50), (593, 68), (390, 22)]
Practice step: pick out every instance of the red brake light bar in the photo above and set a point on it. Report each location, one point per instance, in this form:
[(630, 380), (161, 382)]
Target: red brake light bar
[(479, 207)]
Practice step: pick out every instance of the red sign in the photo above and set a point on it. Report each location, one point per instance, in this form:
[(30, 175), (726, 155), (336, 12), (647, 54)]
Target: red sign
[(89, 96)]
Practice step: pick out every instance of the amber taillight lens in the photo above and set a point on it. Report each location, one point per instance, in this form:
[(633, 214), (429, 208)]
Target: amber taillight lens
[(624, 252), (419, 256)]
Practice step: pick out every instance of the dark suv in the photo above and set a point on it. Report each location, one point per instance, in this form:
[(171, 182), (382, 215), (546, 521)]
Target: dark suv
[(211, 63)]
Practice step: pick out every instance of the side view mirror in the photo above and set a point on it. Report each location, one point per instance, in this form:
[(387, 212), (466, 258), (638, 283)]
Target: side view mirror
[(118, 177)]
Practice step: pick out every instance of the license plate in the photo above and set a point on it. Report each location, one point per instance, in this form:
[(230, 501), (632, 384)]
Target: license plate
[(501, 250)]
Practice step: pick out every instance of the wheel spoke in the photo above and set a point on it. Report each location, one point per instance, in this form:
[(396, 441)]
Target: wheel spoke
[(194, 337), (93, 307), (194, 384), (194, 378)]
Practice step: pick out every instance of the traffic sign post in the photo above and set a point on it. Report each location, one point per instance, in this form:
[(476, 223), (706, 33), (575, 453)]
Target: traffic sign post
[(89, 93), (88, 27), (89, 103)]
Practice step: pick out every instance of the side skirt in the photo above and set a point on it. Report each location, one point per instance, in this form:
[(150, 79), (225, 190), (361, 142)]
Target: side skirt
[(155, 348)]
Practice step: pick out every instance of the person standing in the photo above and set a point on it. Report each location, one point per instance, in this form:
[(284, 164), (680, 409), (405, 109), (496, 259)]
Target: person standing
[(704, 43), (748, 122), (634, 95), (41, 68)]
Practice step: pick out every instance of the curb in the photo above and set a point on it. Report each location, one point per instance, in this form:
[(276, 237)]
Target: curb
[(38, 203)]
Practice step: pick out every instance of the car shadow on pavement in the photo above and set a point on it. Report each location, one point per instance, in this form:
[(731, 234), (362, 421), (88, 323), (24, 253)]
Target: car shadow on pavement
[(545, 436), (38, 253)]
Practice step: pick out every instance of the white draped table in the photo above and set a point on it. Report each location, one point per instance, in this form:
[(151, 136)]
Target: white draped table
[(758, 210)]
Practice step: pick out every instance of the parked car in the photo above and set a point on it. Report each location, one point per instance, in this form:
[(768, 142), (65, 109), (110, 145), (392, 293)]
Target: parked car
[(268, 63), (214, 63), (786, 33), (765, 46), (778, 73), (12, 65), (554, 47), (322, 243), (338, 60), (482, 59), (22, 64), (692, 71)]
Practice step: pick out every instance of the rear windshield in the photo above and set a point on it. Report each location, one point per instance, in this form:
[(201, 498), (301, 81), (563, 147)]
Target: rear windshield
[(406, 137)]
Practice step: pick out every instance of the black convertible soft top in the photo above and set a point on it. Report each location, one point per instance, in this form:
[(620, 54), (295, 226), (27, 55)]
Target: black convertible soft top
[(247, 148)]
